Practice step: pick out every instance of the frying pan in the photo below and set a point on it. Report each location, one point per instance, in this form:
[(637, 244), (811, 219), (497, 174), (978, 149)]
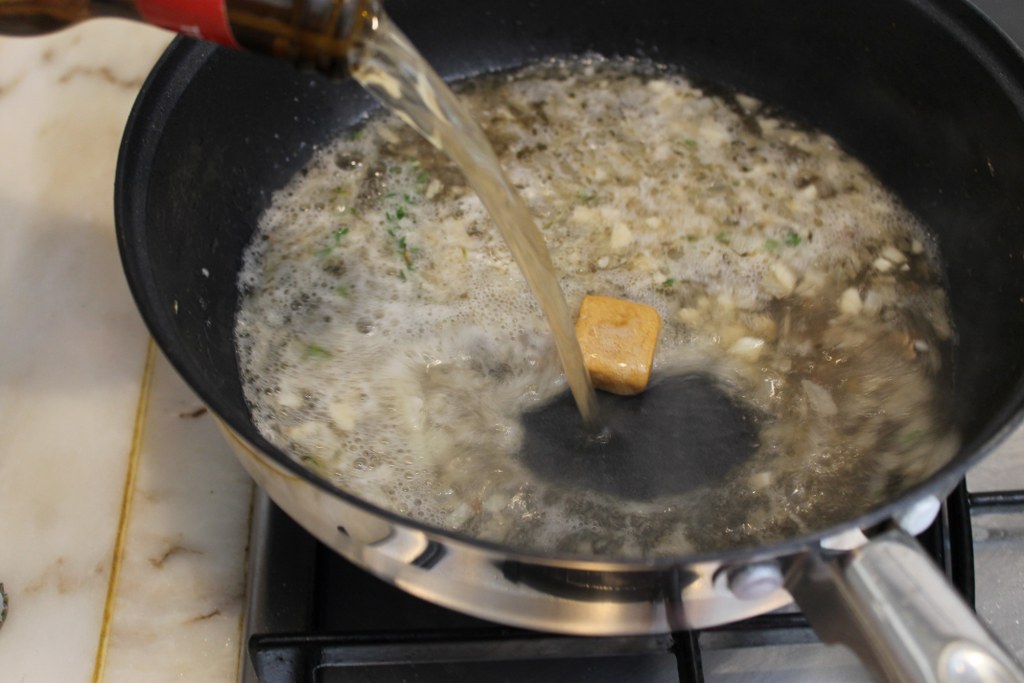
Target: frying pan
[(928, 94)]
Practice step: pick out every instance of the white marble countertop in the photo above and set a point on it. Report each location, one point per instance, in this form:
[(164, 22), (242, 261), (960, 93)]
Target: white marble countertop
[(123, 515), (123, 518)]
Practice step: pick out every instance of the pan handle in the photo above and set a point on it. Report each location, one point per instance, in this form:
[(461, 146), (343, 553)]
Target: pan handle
[(889, 603)]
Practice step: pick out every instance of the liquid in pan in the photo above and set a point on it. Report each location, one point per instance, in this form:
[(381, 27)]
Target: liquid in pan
[(387, 340)]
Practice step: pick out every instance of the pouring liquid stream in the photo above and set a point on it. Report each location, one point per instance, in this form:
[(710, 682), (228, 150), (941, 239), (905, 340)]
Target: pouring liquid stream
[(387, 65)]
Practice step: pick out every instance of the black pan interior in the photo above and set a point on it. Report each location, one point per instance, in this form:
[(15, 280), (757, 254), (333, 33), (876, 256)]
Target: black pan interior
[(927, 94)]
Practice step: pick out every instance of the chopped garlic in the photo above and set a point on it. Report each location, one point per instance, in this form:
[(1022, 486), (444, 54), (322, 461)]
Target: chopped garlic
[(850, 302), (763, 326), (288, 399), (761, 480), (730, 334), (659, 86), (622, 236), (819, 398), (747, 348), (812, 282), (662, 153), (309, 431), (585, 215), (460, 516), (689, 316), (784, 278), (713, 133), (749, 104), (434, 188), (390, 136), (891, 253), (809, 193), (494, 503), (343, 415), (882, 265), (872, 303)]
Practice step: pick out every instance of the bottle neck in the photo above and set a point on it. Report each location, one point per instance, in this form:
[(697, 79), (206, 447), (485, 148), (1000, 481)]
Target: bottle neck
[(311, 33), (318, 34)]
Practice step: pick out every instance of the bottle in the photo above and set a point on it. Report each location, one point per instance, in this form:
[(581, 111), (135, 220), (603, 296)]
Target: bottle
[(309, 33)]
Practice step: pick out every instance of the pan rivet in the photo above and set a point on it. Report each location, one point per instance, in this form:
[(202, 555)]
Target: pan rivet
[(755, 581)]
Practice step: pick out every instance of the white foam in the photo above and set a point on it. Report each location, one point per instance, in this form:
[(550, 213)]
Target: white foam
[(387, 339)]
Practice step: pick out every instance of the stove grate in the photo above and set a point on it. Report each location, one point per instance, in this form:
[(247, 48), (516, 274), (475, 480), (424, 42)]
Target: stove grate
[(312, 630)]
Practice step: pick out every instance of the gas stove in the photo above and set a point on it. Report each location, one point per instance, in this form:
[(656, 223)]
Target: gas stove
[(313, 617)]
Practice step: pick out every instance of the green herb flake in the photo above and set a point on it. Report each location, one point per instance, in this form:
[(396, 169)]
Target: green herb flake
[(723, 236), (343, 291), (400, 213), (586, 196), (669, 282), (316, 351), (401, 274), (339, 233), (911, 438), (792, 239), (422, 177), (690, 142), (772, 244)]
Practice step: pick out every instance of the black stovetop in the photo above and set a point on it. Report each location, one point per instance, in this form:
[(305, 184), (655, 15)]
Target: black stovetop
[(313, 616)]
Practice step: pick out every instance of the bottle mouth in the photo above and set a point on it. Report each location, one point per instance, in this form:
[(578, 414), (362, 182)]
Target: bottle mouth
[(324, 35), (352, 22), (329, 32)]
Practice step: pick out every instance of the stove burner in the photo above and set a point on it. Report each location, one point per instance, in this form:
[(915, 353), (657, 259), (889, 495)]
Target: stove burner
[(313, 616)]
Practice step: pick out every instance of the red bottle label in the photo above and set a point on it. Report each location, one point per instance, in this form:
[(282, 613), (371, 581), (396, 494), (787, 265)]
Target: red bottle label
[(205, 19)]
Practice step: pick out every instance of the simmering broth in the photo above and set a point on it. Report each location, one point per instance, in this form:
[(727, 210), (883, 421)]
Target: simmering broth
[(387, 340)]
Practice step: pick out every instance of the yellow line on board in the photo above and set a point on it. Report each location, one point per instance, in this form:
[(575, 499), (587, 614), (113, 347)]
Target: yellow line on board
[(141, 409), (243, 647)]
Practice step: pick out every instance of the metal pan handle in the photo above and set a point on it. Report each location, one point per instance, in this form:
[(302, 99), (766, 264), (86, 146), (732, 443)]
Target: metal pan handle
[(889, 603)]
